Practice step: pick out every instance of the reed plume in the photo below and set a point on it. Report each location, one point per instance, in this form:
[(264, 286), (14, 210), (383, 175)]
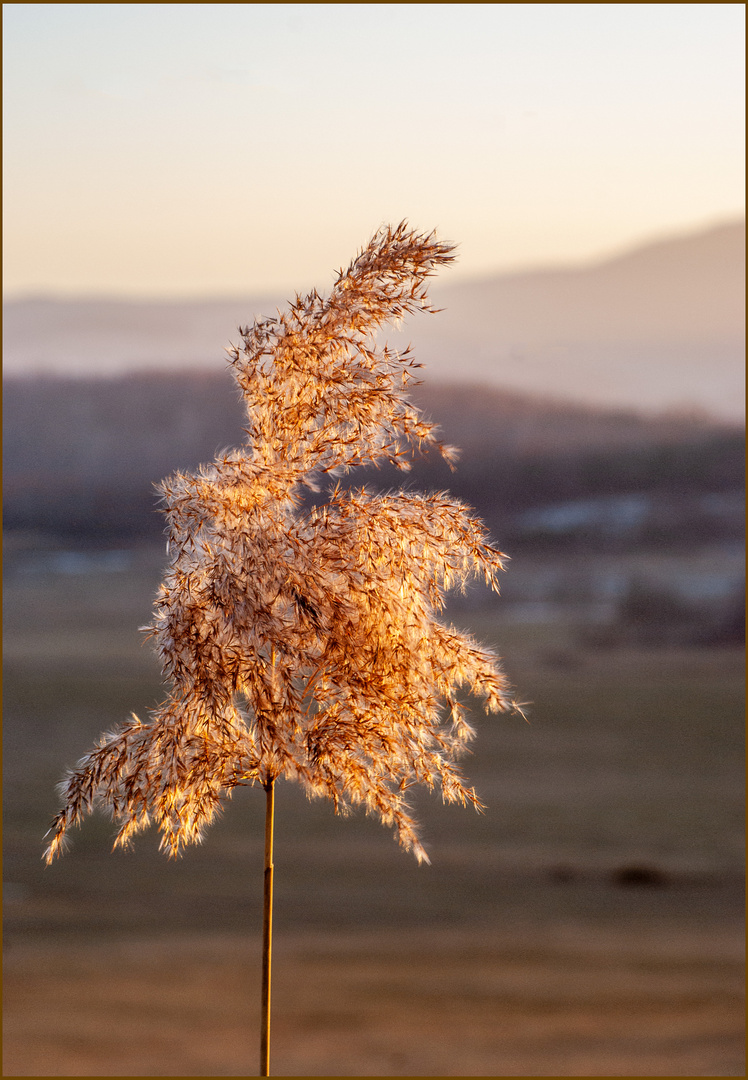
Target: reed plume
[(305, 643)]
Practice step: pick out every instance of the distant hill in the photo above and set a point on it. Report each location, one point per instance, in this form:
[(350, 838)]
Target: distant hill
[(658, 328), (81, 456)]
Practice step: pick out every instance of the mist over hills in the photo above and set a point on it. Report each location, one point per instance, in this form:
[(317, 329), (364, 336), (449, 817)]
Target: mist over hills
[(660, 327), (80, 456)]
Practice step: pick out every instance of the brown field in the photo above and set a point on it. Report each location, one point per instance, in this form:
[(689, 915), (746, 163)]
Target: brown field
[(590, 923), (506, 1002)]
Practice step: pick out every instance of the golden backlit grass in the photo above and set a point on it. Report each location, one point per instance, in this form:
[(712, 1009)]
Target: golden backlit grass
[(306, 643)]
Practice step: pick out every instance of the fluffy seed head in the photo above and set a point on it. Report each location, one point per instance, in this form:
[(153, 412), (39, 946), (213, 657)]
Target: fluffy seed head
[(297, 642)]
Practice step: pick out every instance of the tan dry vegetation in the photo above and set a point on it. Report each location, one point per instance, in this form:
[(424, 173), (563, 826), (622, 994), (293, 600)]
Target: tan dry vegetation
[(525, 1001), (305, 642)]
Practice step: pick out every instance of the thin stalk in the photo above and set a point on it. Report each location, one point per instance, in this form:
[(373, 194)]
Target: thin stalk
[(267, 929)]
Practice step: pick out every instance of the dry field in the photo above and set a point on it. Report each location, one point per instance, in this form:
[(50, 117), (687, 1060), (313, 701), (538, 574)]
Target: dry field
[(505, 1002), (589, 924)]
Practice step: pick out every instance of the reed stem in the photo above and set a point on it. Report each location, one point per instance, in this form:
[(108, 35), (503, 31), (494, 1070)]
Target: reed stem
[(267, 929)]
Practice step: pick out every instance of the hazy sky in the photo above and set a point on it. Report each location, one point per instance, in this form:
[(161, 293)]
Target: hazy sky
[(179, 149)]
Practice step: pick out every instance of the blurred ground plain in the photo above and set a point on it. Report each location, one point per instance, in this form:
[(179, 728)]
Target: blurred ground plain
[(589, 923)]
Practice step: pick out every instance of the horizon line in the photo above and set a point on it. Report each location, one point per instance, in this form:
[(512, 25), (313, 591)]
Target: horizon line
[(471, 277)]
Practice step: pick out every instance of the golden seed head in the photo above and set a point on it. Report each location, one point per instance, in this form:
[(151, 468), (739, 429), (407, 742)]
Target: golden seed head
[(306, 643)]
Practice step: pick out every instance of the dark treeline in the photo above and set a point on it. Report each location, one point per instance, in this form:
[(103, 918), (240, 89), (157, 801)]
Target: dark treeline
[(81, 458)]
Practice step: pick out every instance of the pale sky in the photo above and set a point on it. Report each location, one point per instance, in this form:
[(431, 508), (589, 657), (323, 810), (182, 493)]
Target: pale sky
[(205, 149)]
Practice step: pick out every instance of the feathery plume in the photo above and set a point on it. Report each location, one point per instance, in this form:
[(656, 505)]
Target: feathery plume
[(306, 643)]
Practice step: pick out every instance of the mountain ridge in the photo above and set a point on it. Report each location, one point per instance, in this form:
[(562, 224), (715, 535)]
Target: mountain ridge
[(659, 326)]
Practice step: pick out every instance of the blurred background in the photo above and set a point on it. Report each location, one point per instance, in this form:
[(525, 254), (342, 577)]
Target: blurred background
[(172, 171)]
